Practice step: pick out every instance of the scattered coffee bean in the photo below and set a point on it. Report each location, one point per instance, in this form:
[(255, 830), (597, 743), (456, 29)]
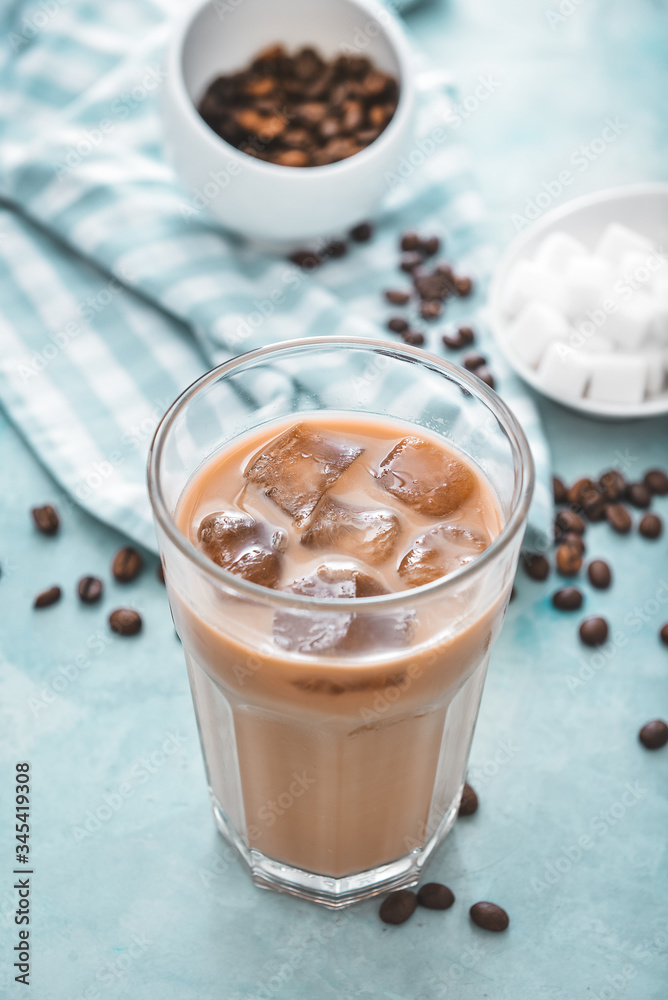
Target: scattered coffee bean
[(160, 574), (336, 249), (568, 520), (362, 233), (430, 246), (47, 597), (430, 309), (567, 599), (435, 896), (599, 574), (463, 287), (125, 621), (409, 261), (413, 338), (638, 495), (308, 260), (410, 241), (575, 541), (536, 566), (650, 526), (559, 491), (46, 519), (593, 502), (619, 518), (89, 589), (396, 297), (397, 324), (485, 375), (469, 803), (453, 343), (489, 916), (127, 565), (594, 631), (656, 482), (613, 485), (398, 907), (575, 491), (466, 335), (654, 734), (568, 559), (663, 634), (473, 361)]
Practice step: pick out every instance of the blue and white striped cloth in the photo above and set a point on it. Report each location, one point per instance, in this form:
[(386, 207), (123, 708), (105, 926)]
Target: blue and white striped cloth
[(113, 298)]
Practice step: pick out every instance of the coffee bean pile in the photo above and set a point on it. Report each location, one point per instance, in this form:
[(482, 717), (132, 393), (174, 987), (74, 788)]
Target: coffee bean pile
[(301, 110), (587, 501), (126, 566)]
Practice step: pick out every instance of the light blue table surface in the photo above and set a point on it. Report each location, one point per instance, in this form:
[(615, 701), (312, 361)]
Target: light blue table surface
[(151, 905)]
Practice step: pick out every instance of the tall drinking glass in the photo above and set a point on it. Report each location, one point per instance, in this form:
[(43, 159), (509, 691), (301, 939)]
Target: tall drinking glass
[(336, 777)]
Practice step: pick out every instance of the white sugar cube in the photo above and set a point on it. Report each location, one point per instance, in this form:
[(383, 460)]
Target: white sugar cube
[(588, 281), (656, 369), (556, 250), (631, 323), (619, 378), (598, 344), (536, 326), (563, 371), (618, 240), (528, 280), (634, 269)]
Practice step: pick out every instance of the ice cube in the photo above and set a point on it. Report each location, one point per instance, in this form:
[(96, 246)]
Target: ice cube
[(618, 240), (439, 551), (426, 478), (556, 250), (534, 328), (630, 324), (528, 280), (314, 632), (564, 371), (240, 544), (297, 468), (369, 535), (588, 281), (619, 378)]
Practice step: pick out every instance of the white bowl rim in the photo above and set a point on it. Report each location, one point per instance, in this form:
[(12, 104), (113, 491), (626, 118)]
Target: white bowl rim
[(589, 407), (394, 34)]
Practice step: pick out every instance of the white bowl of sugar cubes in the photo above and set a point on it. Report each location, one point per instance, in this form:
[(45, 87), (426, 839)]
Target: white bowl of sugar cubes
[(579, 303)]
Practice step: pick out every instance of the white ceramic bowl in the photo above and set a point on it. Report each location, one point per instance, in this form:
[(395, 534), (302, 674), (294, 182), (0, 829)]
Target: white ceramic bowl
[(642, 207), (265, 201)]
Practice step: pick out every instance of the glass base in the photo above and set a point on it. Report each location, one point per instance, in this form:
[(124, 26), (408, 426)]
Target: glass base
[(334, 892)]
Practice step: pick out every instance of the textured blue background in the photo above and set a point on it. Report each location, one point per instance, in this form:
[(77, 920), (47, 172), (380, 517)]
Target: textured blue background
[(152, 904)]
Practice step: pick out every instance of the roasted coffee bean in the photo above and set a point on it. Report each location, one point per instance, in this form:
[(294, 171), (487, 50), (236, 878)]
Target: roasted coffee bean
[(568, 520), (654, 734), (463, 287), (469, 803), (397, 298), (89, 589), (485, 375), (409, 261), (47, 597), (594, 631), (567, 599), (473, 361), (466, 335), (413, 338), (336, 249), (46, 519), (430, 246), (568, 560), (575, 491), (362, 233), (435, 896), (127, 565), (397, 324), (453, 343), (489, 916), (575, 541), (410, 241), (613, 485), (398, 907), (306, 259), (638, 495), (663, 634), (430, 309), (593, 502), (432, 285), (559, 491), (656, 482), (160, 574), (536, 566), (650, 526), (599, 574), (125, 621), (619, 518)]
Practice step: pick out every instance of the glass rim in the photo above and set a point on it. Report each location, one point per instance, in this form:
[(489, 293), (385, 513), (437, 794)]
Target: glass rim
[(521, 500)]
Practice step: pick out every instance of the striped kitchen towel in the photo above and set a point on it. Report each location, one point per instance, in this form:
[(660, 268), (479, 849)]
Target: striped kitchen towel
[(117, 291)]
